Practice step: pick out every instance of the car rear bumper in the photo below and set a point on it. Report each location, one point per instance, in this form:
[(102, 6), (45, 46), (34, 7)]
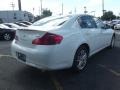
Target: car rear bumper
[(36, 58), (43, 58)]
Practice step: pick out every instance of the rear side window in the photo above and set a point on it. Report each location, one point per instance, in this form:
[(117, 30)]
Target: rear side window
[(99, 23), (87, 22)]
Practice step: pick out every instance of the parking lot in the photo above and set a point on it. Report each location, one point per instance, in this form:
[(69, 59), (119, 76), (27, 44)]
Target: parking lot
[(102, 73)]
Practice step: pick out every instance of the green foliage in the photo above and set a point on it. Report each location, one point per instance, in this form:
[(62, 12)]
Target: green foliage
[(45, 13), (108, 16), (118, 17)]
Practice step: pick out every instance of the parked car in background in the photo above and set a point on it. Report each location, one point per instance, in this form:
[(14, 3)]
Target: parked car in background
[(61, 42), (107, 22), (26, 22), (3, 26), (21, 24), (117, 26), (12, 25), (113, 23), (6, 33)]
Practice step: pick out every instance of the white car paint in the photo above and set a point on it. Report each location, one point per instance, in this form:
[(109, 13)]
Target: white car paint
[(50, 57)]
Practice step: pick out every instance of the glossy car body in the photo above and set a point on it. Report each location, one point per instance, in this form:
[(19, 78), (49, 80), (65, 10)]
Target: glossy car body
[(35, 46), (12, 25), (21, 24), (26, 22)]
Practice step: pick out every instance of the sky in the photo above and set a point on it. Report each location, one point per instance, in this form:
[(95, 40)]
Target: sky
[(68, 6)]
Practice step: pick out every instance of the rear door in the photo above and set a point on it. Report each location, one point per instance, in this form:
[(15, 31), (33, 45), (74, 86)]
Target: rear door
[(91, 33), (106, 34)]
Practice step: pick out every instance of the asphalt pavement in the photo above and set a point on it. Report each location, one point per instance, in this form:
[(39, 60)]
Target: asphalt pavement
[(101, 73)]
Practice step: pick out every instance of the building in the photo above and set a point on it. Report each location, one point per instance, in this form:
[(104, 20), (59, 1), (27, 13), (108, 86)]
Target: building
[(15, 16)]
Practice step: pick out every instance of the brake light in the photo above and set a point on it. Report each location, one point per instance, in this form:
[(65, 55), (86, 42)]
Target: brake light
[(48, 39)]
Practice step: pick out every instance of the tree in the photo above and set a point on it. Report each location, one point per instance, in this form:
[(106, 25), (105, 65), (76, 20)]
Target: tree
[(45, 13), (108, 16), (118, 17)]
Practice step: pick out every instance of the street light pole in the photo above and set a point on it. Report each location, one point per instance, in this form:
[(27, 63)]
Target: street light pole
[(85, 9), (19, 5), (12, 5), (62, 8), (75, 10), (103, 6), (41, 6)]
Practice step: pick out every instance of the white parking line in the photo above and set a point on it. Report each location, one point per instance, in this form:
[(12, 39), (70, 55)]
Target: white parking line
[(56, 83), (110, 70)]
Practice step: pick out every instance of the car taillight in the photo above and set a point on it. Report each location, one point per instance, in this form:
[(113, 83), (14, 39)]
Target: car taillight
[(48, 39)]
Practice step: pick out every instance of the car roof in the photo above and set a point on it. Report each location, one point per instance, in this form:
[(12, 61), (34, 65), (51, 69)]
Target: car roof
[(62, 16)]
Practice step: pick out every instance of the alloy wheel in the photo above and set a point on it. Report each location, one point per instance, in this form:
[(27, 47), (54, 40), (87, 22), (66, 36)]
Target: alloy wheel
[(81, 59), (7, 36)]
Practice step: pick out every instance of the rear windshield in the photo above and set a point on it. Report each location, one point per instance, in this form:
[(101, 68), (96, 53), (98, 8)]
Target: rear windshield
[(50, 21)]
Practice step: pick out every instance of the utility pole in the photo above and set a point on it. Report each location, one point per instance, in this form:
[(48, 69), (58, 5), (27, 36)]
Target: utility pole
[(33, 13), (75, 10), (103, 7), (12, 5), (19, 5), (33, 10), (85, 10), (41, 6), (62, 8)]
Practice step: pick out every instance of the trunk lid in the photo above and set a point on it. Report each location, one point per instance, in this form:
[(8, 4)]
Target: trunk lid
[(26, 36)]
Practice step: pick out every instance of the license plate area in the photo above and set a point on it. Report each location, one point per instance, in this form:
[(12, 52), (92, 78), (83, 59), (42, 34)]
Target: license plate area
[(21, 56)]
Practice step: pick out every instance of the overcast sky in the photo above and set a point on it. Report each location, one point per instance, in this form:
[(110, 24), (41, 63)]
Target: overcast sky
[(69, 6)]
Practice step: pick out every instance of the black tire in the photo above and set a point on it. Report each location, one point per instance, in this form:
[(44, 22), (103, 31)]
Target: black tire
[(80, 59), (112, 44), (7, 36)]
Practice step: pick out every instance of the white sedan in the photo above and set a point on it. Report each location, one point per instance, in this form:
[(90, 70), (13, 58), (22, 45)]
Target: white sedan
[(117, 27), (61, 42)]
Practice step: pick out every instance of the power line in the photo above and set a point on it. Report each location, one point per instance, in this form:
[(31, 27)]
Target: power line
[(103, 6), (12, 5), (85, 9), (75, 10)]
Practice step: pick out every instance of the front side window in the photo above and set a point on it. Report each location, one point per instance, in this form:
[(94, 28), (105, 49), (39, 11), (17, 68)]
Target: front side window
[(87, 22), (99, 23)]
